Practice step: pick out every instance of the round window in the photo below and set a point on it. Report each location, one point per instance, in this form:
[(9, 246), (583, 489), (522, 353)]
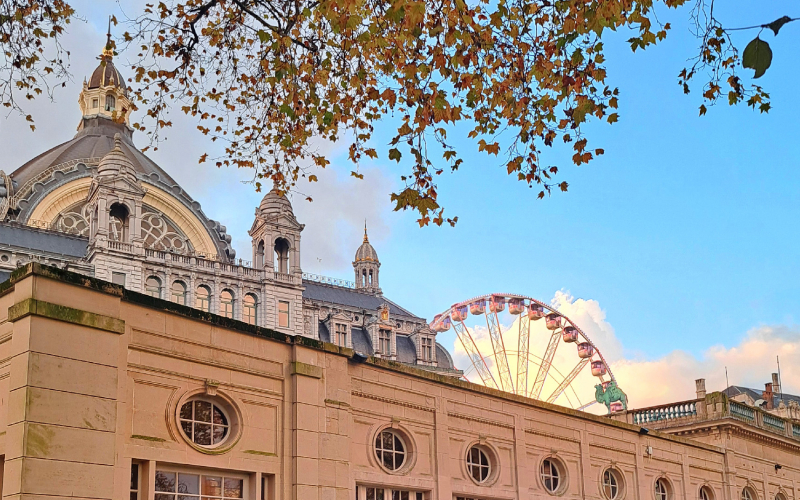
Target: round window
[(551, 474), (204, 422), (390, 449), (478, 464), (612, 484), (662, 489)]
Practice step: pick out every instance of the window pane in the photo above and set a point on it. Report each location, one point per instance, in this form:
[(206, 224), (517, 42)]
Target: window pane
[(370, 493), (135, 495), (187, 428), (186, 411), (219, 417), (387, 461), (189, 483), (212, 485), (202, 411), (387, 440), (233, 488), (202, 434), (165, 481), (398, 444), (165, 497), (134, 476), (219, 434)]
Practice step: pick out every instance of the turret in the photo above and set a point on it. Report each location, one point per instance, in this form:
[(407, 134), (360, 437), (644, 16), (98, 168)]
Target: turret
[(367, 266)]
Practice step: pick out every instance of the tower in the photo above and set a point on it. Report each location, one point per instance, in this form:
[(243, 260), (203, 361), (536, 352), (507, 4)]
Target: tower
[(105, 94), (366, 266)]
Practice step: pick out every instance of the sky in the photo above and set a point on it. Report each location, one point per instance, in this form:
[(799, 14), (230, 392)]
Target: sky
[(677, 249)]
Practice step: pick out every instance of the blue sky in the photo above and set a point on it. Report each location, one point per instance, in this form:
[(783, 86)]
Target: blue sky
[(684, 232)]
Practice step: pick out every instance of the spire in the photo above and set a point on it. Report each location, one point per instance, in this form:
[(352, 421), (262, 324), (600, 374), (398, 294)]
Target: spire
[(366, 239), (108, 50)]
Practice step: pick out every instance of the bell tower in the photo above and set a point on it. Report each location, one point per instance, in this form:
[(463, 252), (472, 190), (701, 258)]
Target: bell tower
[(105, 94), (367, 266)]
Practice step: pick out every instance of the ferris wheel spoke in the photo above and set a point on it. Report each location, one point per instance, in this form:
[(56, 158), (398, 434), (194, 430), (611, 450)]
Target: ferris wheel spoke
[(463, 334), (522, 356), (500, 356), (547, 361), (568, 379), (590, 403)]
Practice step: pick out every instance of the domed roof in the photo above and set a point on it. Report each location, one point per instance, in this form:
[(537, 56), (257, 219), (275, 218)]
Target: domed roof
[(365, 252), (106, 73), (116, 162), (274, 203)]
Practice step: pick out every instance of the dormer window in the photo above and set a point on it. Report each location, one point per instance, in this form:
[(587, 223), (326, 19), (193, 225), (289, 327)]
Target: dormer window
[(341, 334), (385, 342), (427, 349)]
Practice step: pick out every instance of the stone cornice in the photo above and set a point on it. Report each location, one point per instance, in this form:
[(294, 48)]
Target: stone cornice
[(33, 307)]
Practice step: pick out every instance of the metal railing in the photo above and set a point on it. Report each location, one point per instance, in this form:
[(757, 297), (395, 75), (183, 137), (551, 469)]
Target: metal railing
[(325, 280), (668, 412)]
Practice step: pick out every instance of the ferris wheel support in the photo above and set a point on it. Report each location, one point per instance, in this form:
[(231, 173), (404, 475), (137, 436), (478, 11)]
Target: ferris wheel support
[(500, 356), (547, 361), (523, 347), (568, 379), (462, 332)]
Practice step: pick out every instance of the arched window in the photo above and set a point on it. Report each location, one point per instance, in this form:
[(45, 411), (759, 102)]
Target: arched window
[(250, 309), (390, 449), (204, 422), (364, 278), (118, 222), (152, 287), (370, 277), (478, 465), (226, 303), (178, 293), (282, 255), (662, 489), (111, 102), (551, 475), (778, 496), (202, 300), (748, 494), (706, 493), (260, 255)]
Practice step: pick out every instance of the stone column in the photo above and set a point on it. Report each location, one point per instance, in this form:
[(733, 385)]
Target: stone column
[(307, 404), (442, 440)]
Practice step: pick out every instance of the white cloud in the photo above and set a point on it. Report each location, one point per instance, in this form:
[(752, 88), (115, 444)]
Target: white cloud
[(647, 382)]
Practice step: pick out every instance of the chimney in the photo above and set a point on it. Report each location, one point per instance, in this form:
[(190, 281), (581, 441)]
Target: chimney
[(767, 396), (776, 385), (700, 384)]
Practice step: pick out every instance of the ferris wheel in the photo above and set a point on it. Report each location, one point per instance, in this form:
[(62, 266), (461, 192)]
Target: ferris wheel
[(524, 358)]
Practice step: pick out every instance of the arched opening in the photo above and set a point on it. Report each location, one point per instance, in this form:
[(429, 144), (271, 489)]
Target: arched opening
[(364, 278), (111, 102), (250, 309), (370, 277), (282, 255), (118, 222), (203, 298), (226, 303), (259, 260), (178, 293), (152, 287)]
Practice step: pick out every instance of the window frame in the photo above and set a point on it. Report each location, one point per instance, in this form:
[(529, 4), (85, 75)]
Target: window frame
[(380, 451), (201, 473), (223, 311), (286, 314), (559, 476), (148, 290), (183, 295), (488, 467), (748, 493), (666, 494), (616, 482), (246, 307), (199, 299), (341, 332), (136, 484), (214, 404), (427, 348), (385, 337)]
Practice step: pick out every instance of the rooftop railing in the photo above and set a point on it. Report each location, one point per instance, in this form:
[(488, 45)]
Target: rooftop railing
[(325, 280), (714, 406)]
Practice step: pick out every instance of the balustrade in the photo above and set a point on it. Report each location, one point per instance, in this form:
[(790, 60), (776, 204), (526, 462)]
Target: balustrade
[(668, 412), (742, 412)]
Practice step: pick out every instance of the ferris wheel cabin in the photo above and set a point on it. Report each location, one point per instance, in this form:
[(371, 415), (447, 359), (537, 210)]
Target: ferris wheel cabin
[(497, 304), (536, 311), (553, 321)]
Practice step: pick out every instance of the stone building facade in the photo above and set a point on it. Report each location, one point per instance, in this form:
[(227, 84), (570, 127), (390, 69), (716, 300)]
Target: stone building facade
[(98, 206), (106, 393)]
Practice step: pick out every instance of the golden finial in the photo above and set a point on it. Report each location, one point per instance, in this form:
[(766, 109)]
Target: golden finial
[(366, 240), (108, 50)]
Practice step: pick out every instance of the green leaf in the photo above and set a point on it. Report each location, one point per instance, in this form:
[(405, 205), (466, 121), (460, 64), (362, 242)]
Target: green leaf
[(263, 36), (758, 56), (777, 24), (394, 154)]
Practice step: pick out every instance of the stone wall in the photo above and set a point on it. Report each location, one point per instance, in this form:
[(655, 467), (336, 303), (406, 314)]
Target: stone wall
[(95, 381)]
